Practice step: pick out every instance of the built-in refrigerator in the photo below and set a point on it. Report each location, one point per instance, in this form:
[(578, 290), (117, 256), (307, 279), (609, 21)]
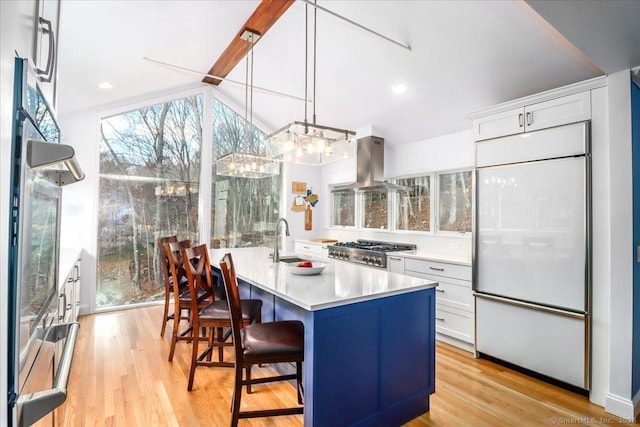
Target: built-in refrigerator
[(532, 251), (40, 345)]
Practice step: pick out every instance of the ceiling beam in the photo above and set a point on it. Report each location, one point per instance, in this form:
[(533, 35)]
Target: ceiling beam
[(265, 15)]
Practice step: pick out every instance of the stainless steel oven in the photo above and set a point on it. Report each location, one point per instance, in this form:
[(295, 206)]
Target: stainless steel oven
[(40, 346)]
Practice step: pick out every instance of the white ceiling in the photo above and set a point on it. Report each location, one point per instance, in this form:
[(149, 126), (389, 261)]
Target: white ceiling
[(465, 55)]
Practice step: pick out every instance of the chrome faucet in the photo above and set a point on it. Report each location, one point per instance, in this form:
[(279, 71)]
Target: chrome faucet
[(276, 255)]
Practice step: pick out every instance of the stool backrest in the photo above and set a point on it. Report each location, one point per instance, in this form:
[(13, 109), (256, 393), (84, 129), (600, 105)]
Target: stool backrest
[(164, 259), (195, 261), (178, 274), (233, 300)]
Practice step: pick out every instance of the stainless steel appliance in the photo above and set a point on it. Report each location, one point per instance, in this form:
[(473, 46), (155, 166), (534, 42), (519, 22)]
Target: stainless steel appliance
[(40, 346), (532, 266), (369, 252)]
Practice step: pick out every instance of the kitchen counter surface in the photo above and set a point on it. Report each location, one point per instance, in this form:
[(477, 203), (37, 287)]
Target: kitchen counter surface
[(341, 283)]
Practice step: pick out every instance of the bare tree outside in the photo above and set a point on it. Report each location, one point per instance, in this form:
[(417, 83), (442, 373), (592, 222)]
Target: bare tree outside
[(244, 210), (150, 165), (149, 187), (454, 201)]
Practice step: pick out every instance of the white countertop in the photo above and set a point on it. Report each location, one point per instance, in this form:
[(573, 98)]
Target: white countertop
[(341, 283)]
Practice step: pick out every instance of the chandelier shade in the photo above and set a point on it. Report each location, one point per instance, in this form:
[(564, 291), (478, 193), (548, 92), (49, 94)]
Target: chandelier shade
[(312, 144), (247, 165)]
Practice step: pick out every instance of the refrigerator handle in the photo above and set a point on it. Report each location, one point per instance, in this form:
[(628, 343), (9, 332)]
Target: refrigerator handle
[(37, 405), (579, 316)]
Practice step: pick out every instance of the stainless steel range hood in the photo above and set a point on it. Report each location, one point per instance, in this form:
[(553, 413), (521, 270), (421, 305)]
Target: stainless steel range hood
[(370, 168)]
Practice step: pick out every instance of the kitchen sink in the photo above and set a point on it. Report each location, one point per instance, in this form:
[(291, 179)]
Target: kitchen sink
[(289, 259)]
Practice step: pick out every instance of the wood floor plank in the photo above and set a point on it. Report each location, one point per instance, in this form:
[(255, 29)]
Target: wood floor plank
[(121, 377)]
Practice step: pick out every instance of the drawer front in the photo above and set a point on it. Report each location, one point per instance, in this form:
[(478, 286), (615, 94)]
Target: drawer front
[(454, 323), (455, 271), (308, 249), (454, 293)]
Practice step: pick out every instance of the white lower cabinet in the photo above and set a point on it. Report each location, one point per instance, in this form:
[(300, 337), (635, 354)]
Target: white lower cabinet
[(313, 250), (454, 299), (395, 264), (69, 291)]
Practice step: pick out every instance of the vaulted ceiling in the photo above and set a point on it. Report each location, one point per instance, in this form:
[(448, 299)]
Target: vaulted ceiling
[(465, 55)]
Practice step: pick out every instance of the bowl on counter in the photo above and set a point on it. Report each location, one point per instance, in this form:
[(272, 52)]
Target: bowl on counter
[(306, 268)]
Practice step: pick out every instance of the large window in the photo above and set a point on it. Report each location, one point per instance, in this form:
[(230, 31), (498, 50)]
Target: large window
[(454, 201), (344, 209), (149, 187), (433, 203), (413, 207), (244, 210), (375, 209), (150, 169)]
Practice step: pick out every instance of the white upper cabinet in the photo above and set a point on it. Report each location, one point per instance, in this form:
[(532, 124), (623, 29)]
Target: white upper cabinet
[(45, 46), (554, 112)]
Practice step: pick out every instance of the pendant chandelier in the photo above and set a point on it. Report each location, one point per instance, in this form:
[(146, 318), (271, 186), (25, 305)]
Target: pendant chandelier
[(243, 164), (310, 143)]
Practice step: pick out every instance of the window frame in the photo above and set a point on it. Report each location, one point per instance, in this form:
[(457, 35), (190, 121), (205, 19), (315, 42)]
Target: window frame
[(392, 206), (438, 230)]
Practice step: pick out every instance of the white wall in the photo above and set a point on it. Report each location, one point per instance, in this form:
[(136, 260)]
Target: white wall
[(311, 176), (619, 399), (80, 200), (447, 152)]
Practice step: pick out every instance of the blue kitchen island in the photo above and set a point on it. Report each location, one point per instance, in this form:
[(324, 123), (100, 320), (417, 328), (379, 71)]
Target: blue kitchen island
[(369, 336)]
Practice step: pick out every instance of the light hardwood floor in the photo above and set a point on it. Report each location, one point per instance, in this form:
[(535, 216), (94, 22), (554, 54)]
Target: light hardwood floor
[(121, 377)]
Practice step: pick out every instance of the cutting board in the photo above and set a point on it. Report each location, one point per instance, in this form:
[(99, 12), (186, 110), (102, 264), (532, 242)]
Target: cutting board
[(323, 240)]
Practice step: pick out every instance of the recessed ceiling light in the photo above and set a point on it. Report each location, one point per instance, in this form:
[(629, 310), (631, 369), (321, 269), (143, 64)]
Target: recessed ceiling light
[(105, 85), (399, 88)]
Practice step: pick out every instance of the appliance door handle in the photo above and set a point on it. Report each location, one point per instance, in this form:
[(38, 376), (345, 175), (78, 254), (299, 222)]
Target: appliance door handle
[(64, 306), (37, 405), (46, 75), (570, 314)]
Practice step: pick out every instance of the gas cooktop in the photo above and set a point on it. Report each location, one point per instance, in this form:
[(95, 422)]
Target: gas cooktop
[(369, 252)]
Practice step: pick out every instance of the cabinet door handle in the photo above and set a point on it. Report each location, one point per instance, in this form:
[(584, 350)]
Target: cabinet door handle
[(46, 75), (520, 120), (436, 268), (440, 319), (440, 290), (306, 247), (64, 306), (529, 118), (395, 258)]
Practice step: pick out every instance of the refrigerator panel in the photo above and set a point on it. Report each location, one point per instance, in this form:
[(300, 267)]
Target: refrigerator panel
[(531, 232), (549, 342), (562, 141)]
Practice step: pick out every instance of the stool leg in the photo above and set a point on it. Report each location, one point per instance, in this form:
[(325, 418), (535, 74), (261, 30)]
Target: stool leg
[(237, 395), (248, 378), (166, 313)]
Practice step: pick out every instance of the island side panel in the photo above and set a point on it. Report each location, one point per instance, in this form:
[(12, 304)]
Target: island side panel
[(352, 356)]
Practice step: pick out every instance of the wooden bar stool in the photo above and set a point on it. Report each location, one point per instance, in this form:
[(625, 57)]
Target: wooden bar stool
[(168, 280), (273, 342), (182, 297), (215, 316)]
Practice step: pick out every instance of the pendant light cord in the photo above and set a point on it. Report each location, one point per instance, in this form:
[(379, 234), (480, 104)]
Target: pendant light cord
[(306, 62), (315, 38)]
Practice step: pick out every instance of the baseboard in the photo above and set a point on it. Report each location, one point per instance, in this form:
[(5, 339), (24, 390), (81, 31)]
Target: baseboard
[(636, 404), (621, 407), (455, 342)]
